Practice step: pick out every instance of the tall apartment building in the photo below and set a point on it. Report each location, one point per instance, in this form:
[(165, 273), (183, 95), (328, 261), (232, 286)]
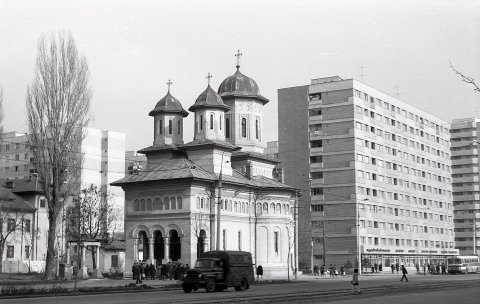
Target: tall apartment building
[(104, 161), (465, 140), (374, 172)]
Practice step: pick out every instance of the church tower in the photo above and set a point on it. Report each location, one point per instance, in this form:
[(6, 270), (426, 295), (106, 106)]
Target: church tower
[(168, 120), (209, 112), (243, 122)]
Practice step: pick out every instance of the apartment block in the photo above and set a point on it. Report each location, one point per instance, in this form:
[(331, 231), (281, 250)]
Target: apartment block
[(374, 173), (465, 139)]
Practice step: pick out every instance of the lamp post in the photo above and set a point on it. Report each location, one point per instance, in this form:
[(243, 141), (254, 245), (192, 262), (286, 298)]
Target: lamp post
[(359, 254), (219, 203)]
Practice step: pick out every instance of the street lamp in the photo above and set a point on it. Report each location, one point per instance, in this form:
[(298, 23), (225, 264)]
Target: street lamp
[(359, 254)]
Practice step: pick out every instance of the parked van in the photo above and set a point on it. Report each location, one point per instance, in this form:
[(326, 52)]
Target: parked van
[(218, 270)]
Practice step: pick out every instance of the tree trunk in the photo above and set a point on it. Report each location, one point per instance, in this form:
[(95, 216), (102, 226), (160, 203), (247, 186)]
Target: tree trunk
[(50, 260), (1, 257)]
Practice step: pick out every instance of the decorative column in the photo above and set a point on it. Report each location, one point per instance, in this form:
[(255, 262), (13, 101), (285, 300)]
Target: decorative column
[(82, 271), (135, 250), (166, 249), (151, 242)]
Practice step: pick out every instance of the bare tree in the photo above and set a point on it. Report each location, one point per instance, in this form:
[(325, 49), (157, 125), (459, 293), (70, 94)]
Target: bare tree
[(11, 222), (465, 78), (92, 216), (58, 102), (200, 221)]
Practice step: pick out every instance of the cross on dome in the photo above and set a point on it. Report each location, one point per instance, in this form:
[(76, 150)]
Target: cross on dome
[(208, 77), (169, 83), (238, 55)]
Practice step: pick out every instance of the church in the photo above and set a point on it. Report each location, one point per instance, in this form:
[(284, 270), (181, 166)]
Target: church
[(216, 192)]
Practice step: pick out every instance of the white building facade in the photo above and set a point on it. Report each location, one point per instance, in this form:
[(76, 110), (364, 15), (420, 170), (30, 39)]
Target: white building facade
[(375, 173), (222, 177), (465, 137)]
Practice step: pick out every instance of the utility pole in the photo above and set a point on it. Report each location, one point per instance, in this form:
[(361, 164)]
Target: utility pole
[(295, 235), (219, 202)]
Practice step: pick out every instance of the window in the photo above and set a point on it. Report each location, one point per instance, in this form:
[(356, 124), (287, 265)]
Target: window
[(275, 242), (27, 252), (27, 226), (114, 261), (224, 232), (43, 203), (142, 205), (257, 129), (170, 126), (179, 202), (136, 205), (179, 127), (220, 122), (227, 127), (160, 126), (11, 225), (240, 240), (10, 252), (201, 122), (244, 127), (211, 121)]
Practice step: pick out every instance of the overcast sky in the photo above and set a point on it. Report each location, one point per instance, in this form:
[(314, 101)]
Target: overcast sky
[(134, 47)]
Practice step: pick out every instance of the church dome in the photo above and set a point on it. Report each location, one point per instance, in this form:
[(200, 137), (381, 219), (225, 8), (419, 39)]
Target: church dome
[(168, 104), (209, 99), (239, 85)]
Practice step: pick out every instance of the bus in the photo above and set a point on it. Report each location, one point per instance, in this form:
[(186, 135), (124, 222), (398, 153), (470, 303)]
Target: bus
[(464, 264)]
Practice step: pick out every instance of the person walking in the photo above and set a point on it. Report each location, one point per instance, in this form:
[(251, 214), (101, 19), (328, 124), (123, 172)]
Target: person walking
[(376, 267), (355, 286), (404, 272), (397, 267), (393, 268), (153, 272), (138, 274), (259, 272)]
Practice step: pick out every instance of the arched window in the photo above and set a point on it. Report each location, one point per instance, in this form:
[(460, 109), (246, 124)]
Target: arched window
[(179, 127), (166, 204), (160, 126), (136, 205), (142, 205), (202, 204), (211, 121), (279, 208), (265, 208), (157, 205), (235, 208), (198, 203), (257, 129), (149, 204), (272, 207), (230, 205), (179, 202), (201, 122), (220, 121), (170, 126), (227, 127), (244, 127), (173, 202)]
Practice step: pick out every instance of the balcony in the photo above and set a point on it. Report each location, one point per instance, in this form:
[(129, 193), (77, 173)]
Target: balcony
[(315, 104), (465, 170), (315, 119), (465, 161)]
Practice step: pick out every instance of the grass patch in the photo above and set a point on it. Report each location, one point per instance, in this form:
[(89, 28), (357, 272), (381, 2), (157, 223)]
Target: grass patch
[(23, 290)]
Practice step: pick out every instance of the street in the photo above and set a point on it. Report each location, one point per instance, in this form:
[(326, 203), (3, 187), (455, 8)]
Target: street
[(375, 289)]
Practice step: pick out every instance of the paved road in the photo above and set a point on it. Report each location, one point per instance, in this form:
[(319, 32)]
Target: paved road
[(420, 289)]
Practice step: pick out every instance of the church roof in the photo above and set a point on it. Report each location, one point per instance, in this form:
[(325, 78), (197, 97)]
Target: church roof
[(209, 99), (211, 142), (239, 85), (240, 155), (168, 104), (181, 168)]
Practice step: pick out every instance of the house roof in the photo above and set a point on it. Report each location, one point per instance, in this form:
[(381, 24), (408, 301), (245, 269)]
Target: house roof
[(13, 202)]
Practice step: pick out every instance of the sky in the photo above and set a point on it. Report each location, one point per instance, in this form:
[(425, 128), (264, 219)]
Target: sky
[(134, 47)]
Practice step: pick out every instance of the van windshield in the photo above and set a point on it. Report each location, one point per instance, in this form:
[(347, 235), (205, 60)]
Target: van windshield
[(208, 263)]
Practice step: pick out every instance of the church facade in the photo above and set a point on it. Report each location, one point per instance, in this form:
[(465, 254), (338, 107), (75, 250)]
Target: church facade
[(216, 192)]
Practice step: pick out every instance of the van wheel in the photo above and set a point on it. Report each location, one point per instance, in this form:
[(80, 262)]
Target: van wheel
[(243, 285), (187, 288), (210, 285)]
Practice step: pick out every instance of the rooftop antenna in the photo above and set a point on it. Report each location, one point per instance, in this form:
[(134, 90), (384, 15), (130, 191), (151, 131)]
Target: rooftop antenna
[(397, 91), (238, 55), (208, 78), (361, 72), (169, 83)]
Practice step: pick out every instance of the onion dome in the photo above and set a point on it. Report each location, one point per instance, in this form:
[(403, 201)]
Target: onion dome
[(239, 85), (168, 104), (209, 99)]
